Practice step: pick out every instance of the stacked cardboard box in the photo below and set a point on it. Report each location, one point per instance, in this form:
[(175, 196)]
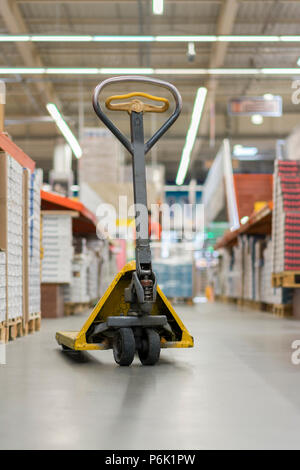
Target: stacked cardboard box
[(34, 244), (252, 267), (11, 233), (175, 276), (246, 271), (77, 290), (225, 269), (93, 276), (2, 286), (20, 240), (86, 263), (102, 157), (269, 294), (57, 248), (173, 266), (238, 269), (286, 217), (257, 268)]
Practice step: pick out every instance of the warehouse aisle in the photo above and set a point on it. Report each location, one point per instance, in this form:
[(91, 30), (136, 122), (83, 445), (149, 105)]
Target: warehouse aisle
[(236, 389)]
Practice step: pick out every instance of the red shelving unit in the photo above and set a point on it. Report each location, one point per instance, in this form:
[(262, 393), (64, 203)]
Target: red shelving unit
[(84, 224)]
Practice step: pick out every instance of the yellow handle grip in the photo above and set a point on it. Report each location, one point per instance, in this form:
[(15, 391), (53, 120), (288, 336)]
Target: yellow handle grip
[(137, 105)]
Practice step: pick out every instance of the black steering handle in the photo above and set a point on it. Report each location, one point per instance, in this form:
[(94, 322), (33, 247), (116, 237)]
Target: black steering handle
[(139, 79)]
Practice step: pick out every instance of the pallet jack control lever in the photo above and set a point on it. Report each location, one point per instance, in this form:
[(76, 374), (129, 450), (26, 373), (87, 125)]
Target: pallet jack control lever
[(137, 105), (137, 79), (141, 294)]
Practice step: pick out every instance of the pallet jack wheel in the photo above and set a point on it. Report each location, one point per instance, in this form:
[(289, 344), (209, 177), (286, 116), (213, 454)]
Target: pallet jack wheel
[(124, 346), (149, 351)]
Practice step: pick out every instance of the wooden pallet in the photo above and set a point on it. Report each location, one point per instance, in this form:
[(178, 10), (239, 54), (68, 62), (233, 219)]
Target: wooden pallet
[(33, 324), (73, 308), (282, 310), (182, 300), (253, 304), (286, 279), (2, 332), (14, 329), (225, 299)]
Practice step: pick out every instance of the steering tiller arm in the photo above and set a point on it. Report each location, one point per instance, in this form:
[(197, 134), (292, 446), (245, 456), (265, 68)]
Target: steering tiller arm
[(141, 294)]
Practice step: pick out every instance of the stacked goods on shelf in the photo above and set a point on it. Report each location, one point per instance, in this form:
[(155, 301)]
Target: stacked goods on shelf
[(56, 261), (252, 267), (57, 247), (19, 230), (109, 267), (102, 155), (2, 286), (175, 273), (223, 283), (93, 276), (269, 294), (286, 217), (257, 269), (86, 263), (11, 233), (77, 290), (248, 272), (175, 277), (96, 249), (245, 271), (200, 280), (238, 269), (34, 245)]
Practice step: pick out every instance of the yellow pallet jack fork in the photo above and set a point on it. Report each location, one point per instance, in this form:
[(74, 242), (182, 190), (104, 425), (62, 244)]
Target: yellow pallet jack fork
[(133, 315)]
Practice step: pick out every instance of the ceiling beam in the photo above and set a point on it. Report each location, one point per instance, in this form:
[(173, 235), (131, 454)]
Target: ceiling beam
[(179, 21), (167, 1), (15, 24), (177, 140)]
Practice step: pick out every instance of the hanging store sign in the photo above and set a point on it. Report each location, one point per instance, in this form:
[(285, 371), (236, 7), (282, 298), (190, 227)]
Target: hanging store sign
[(249, 105)]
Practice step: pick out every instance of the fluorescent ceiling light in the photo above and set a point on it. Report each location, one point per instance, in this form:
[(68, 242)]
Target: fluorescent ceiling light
[(185, 38), (191, 135), (241, 151), (64, 129), (62, 38), (15, 38), (137, 71), (278, 71), (21, 70), (143, 38), (257, 119), (290, 38), (158, 7), (236, 71), (181, 71), (148, 71), (72, 71), (124, 38), (247, 38)]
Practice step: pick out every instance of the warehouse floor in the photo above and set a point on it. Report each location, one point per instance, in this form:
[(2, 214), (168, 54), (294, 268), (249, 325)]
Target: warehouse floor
[(236, 389)]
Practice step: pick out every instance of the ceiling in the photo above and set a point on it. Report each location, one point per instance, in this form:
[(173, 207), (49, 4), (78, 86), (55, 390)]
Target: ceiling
[(27, 119)]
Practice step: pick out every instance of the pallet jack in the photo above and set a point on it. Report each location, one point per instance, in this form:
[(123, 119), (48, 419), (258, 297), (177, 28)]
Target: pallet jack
[(133, 315)]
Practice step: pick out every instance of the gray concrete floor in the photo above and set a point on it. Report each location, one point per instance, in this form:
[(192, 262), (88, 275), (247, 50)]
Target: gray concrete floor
[(236, 389)]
